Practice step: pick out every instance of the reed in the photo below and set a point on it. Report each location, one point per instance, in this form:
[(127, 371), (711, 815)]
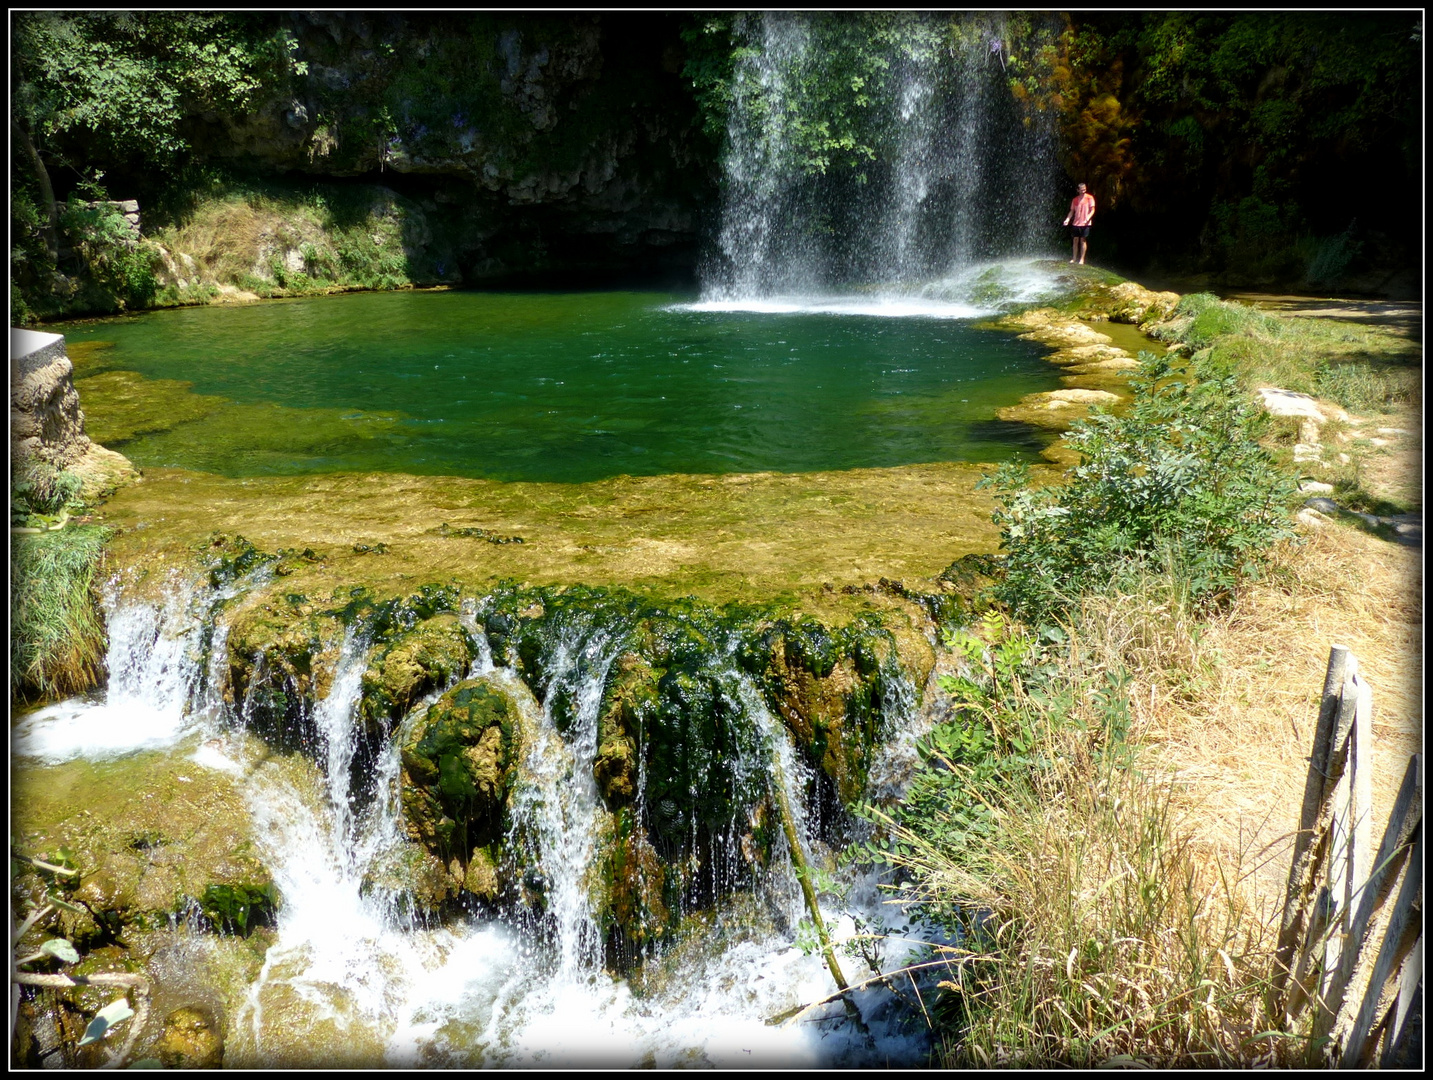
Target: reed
[(57, 635)]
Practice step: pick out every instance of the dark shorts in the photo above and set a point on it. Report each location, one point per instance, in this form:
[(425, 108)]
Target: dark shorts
[(1079, 230)]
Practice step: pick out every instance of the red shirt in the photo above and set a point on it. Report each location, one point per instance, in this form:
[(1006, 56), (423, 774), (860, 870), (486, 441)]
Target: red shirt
[(1082, 209)]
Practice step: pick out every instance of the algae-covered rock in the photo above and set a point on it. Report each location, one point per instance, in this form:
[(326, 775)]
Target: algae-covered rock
[(633, 904), (629, 702), (415, 663), (1130, 302), (150, 834), (459, 763), (831, 688), (190, 1039), (415, 875), (283, 651)]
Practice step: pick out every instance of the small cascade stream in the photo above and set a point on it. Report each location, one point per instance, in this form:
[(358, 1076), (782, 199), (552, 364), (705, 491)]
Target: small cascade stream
[(355, 976)]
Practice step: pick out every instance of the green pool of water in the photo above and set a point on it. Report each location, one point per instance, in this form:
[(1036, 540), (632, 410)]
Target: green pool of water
[(566, 387)]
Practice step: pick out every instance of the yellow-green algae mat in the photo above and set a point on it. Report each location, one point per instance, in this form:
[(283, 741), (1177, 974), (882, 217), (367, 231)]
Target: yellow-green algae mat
[(719, 538)]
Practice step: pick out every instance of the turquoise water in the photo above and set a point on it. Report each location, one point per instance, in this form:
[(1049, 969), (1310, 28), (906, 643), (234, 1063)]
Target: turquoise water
[(568, 387)]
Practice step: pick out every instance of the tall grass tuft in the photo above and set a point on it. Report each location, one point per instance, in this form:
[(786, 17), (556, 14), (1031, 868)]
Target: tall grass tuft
[(57, 636), (1099, 933)]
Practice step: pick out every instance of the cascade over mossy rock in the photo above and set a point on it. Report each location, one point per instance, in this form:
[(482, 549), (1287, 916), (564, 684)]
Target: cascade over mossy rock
[(402, 671), (282, 654)]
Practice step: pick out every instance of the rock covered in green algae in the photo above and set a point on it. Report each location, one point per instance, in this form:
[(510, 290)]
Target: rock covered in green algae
[(458, 765), (629, 702), (632, 902), (149, 833), (829, 687), (283, 650), (401, 671), (682, 763), (190, 1040)]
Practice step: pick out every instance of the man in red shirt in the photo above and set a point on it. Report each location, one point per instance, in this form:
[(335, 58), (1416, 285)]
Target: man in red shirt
[(1080, 218)]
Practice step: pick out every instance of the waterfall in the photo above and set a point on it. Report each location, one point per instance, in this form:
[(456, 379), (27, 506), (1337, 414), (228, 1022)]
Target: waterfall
[(878, 150), (556, 811), (355, 977), (164, 660)]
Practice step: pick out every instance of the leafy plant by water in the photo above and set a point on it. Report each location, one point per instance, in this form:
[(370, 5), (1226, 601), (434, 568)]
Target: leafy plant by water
[(1179, 479)]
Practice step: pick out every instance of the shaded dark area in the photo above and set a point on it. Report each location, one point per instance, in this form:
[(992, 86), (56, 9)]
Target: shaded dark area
[(1258, 149), (1262, 148)]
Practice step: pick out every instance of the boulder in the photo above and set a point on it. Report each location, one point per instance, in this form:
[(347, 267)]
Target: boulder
[(459, 762)]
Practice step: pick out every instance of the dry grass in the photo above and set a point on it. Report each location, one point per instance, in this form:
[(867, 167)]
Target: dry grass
[(1133, 911), (1228, 711), (1100, 934), (232, 235)]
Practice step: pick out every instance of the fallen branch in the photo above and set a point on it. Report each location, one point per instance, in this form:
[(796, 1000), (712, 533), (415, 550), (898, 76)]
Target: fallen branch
[(138, 983)]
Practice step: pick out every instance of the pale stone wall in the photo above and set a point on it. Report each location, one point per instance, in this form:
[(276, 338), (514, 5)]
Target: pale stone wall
[(46, 423)]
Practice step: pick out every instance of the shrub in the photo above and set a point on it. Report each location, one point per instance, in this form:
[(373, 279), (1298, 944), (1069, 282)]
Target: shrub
[(1179, 481), (119, 266)]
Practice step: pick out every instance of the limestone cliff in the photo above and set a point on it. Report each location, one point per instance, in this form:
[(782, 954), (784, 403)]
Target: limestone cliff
[(532, 143)]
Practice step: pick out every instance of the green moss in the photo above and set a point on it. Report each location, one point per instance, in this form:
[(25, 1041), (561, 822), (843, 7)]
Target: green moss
[(434, 653), (458, 766), (240, 907), (150, 833)]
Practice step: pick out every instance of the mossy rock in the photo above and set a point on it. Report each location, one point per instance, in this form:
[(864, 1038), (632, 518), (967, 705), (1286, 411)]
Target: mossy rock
[(828, 687), (150, 833), (633, 907), (459, 763), (418, 877), (629, 701), (415, 663), (283, 650), (190, 1039), (229, 558), (50, 1024)]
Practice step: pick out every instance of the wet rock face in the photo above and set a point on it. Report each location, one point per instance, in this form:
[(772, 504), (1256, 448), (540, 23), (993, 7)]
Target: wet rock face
[(433, 654), (630, 702), (190, 1040), (533, 143), (282, 655), (458, 765), (828, 687)]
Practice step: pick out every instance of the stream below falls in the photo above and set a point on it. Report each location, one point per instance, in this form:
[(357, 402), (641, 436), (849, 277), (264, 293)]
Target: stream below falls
[(358, 972)]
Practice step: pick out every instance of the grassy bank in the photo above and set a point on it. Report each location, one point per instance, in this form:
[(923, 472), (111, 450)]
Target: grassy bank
[(57, 636), (1105, 817), (228, 238)]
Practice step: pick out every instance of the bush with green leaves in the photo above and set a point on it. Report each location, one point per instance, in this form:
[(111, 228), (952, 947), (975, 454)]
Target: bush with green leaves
[(1016, 698), (1178, 482), (117, 265)]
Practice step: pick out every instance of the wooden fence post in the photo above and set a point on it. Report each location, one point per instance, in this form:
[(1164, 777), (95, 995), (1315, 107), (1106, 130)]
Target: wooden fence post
[(1402, 935), (1365, 1000)]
